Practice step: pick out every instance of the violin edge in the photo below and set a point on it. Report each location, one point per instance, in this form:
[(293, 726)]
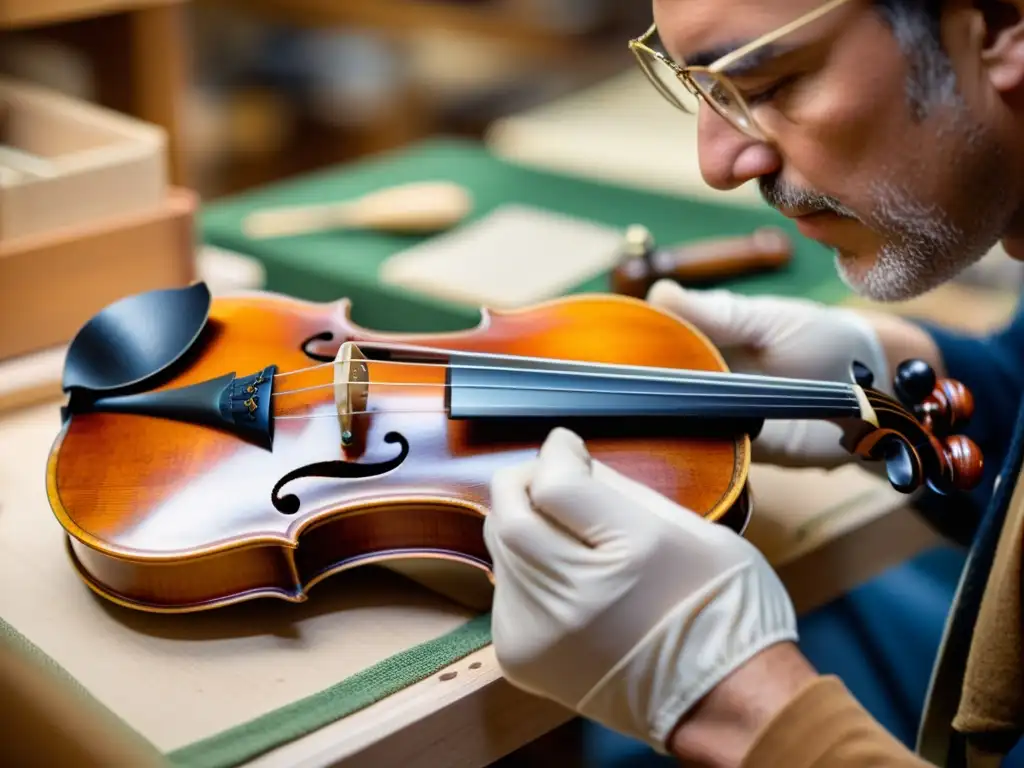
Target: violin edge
[(270, 569), (277, 556)]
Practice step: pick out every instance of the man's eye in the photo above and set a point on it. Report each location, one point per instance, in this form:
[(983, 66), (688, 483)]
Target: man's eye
[(766, 93)]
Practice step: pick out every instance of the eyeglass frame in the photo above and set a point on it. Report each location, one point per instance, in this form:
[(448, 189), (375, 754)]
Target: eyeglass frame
[(715, 68)]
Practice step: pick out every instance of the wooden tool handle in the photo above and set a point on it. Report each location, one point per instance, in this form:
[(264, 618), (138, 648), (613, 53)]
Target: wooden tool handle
[(292, 220), (704, 261), (412, 208), (766, 248)]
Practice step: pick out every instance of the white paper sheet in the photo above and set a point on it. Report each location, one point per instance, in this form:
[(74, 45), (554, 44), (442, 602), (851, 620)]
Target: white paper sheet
[(515, 256)]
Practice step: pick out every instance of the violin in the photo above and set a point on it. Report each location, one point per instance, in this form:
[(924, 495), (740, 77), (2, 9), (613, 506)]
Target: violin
[(220, 450)]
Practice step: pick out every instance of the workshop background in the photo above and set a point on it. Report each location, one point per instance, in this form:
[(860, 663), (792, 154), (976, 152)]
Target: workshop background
[(141, 142)]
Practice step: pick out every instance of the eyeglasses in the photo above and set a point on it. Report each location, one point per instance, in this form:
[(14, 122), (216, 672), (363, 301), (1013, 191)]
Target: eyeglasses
[(684, 86)]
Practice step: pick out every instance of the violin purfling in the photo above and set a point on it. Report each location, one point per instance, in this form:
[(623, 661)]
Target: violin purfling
[(215, 450)]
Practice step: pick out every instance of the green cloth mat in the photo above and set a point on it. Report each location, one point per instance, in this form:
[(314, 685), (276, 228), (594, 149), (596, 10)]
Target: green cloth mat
[(330, 265), (281, 726)]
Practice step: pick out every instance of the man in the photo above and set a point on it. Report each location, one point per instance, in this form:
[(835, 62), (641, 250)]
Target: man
[(893, 132)]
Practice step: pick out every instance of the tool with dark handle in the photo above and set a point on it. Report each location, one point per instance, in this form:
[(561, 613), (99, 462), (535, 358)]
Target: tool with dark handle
[(699, 262)]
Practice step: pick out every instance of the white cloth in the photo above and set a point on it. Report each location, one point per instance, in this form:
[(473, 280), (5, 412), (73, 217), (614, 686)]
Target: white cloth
[(616, 602), (784, 337)]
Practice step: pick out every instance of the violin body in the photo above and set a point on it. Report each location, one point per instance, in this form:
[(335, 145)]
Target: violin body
[(178, 494)]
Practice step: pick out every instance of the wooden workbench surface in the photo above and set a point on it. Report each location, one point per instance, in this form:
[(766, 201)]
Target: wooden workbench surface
[(178, 679)]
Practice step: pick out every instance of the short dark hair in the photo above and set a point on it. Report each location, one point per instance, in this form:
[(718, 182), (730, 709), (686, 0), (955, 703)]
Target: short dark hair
[(916, 26)]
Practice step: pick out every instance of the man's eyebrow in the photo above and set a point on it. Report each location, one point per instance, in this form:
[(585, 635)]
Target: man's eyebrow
[(746, 63)]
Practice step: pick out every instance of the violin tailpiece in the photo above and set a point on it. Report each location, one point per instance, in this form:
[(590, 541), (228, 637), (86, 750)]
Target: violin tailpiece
[(236, 404)]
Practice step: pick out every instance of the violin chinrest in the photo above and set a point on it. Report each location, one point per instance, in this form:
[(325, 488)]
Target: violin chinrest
[(136, 338)]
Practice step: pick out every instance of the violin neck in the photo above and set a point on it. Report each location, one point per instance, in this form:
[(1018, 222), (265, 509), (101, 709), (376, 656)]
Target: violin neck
[(481, 386)]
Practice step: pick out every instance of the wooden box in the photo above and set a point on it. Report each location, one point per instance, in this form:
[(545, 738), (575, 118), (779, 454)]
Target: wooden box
[(27, 13), (51, 284), (68, 162)]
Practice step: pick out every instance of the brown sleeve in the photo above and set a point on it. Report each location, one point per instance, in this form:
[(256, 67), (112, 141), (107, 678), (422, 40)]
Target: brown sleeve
[(825, 726)]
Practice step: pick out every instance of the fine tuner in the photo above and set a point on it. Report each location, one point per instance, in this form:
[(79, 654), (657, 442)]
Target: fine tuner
[(215, 450)]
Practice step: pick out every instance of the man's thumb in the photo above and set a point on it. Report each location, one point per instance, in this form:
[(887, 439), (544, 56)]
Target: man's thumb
[(722, 316), (564, 491)]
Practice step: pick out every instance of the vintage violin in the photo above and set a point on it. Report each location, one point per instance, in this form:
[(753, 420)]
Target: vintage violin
[(218, 450)]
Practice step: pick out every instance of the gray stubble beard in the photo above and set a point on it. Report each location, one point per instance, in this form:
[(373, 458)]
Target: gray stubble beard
[(925, 246)]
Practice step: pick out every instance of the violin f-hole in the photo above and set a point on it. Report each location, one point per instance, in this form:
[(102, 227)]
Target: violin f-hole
[(309, 343), (339, 469)]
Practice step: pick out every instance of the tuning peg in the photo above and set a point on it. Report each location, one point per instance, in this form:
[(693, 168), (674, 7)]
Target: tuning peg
[(949, 407), (965, 461), (914, 382), (861, 374)]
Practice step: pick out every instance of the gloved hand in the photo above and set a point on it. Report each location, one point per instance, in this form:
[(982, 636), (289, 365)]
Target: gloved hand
[(616, 602), (784, 337)]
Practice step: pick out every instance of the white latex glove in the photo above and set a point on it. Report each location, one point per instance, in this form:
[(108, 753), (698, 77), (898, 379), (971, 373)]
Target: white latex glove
[(784, 337), (616, 602)]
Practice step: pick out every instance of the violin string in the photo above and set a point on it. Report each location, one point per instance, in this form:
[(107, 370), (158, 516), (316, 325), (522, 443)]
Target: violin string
[(678, 376), (297, 371), (334, 414), (685, 377), (847, 395)]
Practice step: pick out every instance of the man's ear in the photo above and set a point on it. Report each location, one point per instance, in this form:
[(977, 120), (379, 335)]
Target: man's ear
[(1001, 29)]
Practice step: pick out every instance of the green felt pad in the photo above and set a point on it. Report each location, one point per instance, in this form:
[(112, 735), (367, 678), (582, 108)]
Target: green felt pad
[(330, 265), (235, 746)]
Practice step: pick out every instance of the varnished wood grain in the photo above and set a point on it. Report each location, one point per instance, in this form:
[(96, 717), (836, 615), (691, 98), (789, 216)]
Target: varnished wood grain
[(168, 516)]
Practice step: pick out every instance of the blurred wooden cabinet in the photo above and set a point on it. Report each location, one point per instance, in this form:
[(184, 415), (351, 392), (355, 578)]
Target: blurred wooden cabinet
[(138, 49)]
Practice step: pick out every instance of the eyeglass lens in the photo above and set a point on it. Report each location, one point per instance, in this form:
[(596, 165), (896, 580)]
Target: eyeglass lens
[(717, 92), (668, 82)]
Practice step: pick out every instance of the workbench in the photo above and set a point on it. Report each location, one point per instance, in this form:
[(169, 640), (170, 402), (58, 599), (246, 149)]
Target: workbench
[(373, 670)]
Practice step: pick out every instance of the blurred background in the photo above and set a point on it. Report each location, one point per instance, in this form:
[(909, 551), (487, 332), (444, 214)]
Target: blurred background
[(253, 91), (212, 107), (271, 88)]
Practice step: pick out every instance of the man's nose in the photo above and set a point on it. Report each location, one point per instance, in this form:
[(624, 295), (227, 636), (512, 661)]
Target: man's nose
[(728, 157)]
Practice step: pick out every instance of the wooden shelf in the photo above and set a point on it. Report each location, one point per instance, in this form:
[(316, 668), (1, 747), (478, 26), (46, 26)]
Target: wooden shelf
[(16, 14), (137, 49), (499, 19)]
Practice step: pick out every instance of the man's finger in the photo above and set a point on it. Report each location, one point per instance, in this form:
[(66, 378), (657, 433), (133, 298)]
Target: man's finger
[(511, 517), (564, 490), (726, 318)]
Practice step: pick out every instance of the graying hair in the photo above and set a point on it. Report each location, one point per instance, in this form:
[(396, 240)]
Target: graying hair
[(915, 25)]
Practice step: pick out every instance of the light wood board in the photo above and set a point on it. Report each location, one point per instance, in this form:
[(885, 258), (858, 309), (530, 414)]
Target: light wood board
[(36, 377)]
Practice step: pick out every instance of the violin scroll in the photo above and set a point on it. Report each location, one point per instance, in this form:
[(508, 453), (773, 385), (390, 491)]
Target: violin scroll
[(913, 432)]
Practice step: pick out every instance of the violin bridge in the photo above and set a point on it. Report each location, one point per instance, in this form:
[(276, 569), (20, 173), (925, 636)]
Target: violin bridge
[(351, 387)]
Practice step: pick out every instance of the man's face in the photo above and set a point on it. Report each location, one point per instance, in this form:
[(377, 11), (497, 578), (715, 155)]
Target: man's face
[(907, 186)]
